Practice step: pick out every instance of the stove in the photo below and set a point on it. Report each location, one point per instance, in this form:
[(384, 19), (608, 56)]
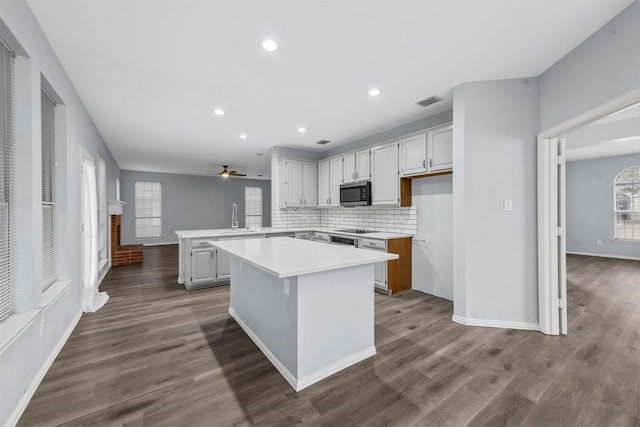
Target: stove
[(352, 230)]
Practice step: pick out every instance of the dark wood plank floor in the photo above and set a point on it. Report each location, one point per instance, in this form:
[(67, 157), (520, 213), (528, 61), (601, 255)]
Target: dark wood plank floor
[(157, 355)]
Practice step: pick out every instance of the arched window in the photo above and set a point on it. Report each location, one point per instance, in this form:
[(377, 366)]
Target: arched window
[(627, 204)]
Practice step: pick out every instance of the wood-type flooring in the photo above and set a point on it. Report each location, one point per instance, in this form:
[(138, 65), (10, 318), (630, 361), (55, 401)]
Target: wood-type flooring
[(158, 355)]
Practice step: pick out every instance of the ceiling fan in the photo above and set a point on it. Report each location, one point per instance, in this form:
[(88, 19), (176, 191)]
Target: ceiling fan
[(226, 173)]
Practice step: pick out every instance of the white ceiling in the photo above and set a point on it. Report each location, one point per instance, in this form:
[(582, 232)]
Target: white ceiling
[(150, 72), (612, 135)]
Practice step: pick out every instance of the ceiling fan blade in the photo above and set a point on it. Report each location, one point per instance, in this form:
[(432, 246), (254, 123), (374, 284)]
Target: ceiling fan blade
[(234, 173)]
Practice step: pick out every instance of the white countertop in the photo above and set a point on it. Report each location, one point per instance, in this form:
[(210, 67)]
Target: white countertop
[(288, 257), (217, 233)]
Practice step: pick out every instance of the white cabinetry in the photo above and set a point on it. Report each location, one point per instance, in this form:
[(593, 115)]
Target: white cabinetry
[(441, 149), (355, 167), (309, 184), (323, 184), (413, 155), (335, 179), (290, 183), (223, 265), (385, 183), (349, 168), (203, 265), (363, 166), (298, 185)]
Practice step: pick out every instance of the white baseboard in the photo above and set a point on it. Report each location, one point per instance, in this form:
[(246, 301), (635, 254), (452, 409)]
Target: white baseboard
[(604, 255), (312, 378), (26, 397), (495, 323)]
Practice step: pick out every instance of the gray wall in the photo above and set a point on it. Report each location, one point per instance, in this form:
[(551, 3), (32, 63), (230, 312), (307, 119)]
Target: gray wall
[(495, 252), (590, 198), (604, 66), (30, 350), (432, 260), (190, 203)]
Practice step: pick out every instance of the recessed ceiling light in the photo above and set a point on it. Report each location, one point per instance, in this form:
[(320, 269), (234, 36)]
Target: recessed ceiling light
[(302, 130), (374, 92), (243, 136), (269, 45), (218, 112)]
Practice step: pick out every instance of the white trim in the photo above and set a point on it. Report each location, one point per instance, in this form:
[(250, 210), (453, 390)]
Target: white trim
[(495, 323), (291, 379), (13, 326), (312, 378), (604, 255), (53, 292), (336, 367), (28, 394)]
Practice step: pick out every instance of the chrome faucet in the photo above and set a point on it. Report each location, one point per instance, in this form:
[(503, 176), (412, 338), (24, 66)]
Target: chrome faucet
[(234, 217)]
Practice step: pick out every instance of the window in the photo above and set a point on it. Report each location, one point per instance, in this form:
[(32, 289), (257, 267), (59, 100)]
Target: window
[(48, 191), (148, 209), (627, 204), (253, 206), (7, 180)]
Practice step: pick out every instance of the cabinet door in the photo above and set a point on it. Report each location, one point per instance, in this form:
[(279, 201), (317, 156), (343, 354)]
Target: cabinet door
[(335, 179), (363, 171), (309, 184), (223, 265), (441, 149), (293, 183), (413, 155), (385, 182), (323, 184), (380, 274), (349, 168), (202, 266)]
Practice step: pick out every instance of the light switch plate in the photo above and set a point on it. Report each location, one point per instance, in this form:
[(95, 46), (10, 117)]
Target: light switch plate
[(508, 205)]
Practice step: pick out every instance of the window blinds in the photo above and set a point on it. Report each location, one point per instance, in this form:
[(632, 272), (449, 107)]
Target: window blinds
[(48, 192), (148, 209), (7, 179), (253, 206)]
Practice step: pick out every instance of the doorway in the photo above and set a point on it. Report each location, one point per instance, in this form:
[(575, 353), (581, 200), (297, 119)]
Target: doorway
[(552, 232)]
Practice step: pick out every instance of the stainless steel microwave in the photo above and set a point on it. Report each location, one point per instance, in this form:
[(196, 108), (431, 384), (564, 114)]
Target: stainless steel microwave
[(357, 194)]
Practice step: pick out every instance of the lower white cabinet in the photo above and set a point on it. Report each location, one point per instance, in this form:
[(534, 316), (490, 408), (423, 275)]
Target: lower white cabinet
[(203, 265), (223, 265)]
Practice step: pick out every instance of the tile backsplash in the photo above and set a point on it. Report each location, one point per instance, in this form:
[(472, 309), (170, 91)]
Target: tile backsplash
[(376, 218)]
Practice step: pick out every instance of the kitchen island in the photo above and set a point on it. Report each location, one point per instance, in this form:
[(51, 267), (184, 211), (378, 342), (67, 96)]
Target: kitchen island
[(307, 305)]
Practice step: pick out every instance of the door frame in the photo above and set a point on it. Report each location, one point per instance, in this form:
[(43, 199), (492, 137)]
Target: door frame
[(551, 199)]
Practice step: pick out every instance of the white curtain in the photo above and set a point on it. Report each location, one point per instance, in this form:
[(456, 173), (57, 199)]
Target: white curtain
[(92, 300)]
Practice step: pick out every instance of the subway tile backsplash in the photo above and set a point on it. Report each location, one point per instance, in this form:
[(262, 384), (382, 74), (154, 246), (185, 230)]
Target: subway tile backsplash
[(376, 218)]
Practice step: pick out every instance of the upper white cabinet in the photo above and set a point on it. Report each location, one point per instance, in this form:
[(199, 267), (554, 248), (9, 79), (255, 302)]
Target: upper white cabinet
[(323, 184), (440, 146), (290, 183), (363, 165), (356, 167), (413, 155), (309, 184), (349, 168), (335, 179), (428, 152), (385, 182)]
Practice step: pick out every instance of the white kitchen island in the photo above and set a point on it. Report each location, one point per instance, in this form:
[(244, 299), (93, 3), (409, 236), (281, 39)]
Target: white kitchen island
[(307, 305)]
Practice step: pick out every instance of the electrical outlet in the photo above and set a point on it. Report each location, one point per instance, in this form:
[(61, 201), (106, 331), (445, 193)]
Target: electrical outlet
[(598, 242), (508, 205), (286, 287)]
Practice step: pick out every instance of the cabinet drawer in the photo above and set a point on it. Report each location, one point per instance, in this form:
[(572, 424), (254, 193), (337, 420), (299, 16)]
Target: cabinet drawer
[(303, 235), (323, 237), (201, 243), (374, 244)]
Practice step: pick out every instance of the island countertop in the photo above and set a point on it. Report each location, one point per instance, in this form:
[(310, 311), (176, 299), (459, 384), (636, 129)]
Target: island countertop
[(288, 257), (224, 233)]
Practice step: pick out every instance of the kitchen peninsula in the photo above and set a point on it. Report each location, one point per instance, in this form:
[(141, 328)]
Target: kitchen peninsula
[(308, 306)]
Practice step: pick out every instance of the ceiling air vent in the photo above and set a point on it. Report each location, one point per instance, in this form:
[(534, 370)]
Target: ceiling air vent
[(323, 142), (430, 100)]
